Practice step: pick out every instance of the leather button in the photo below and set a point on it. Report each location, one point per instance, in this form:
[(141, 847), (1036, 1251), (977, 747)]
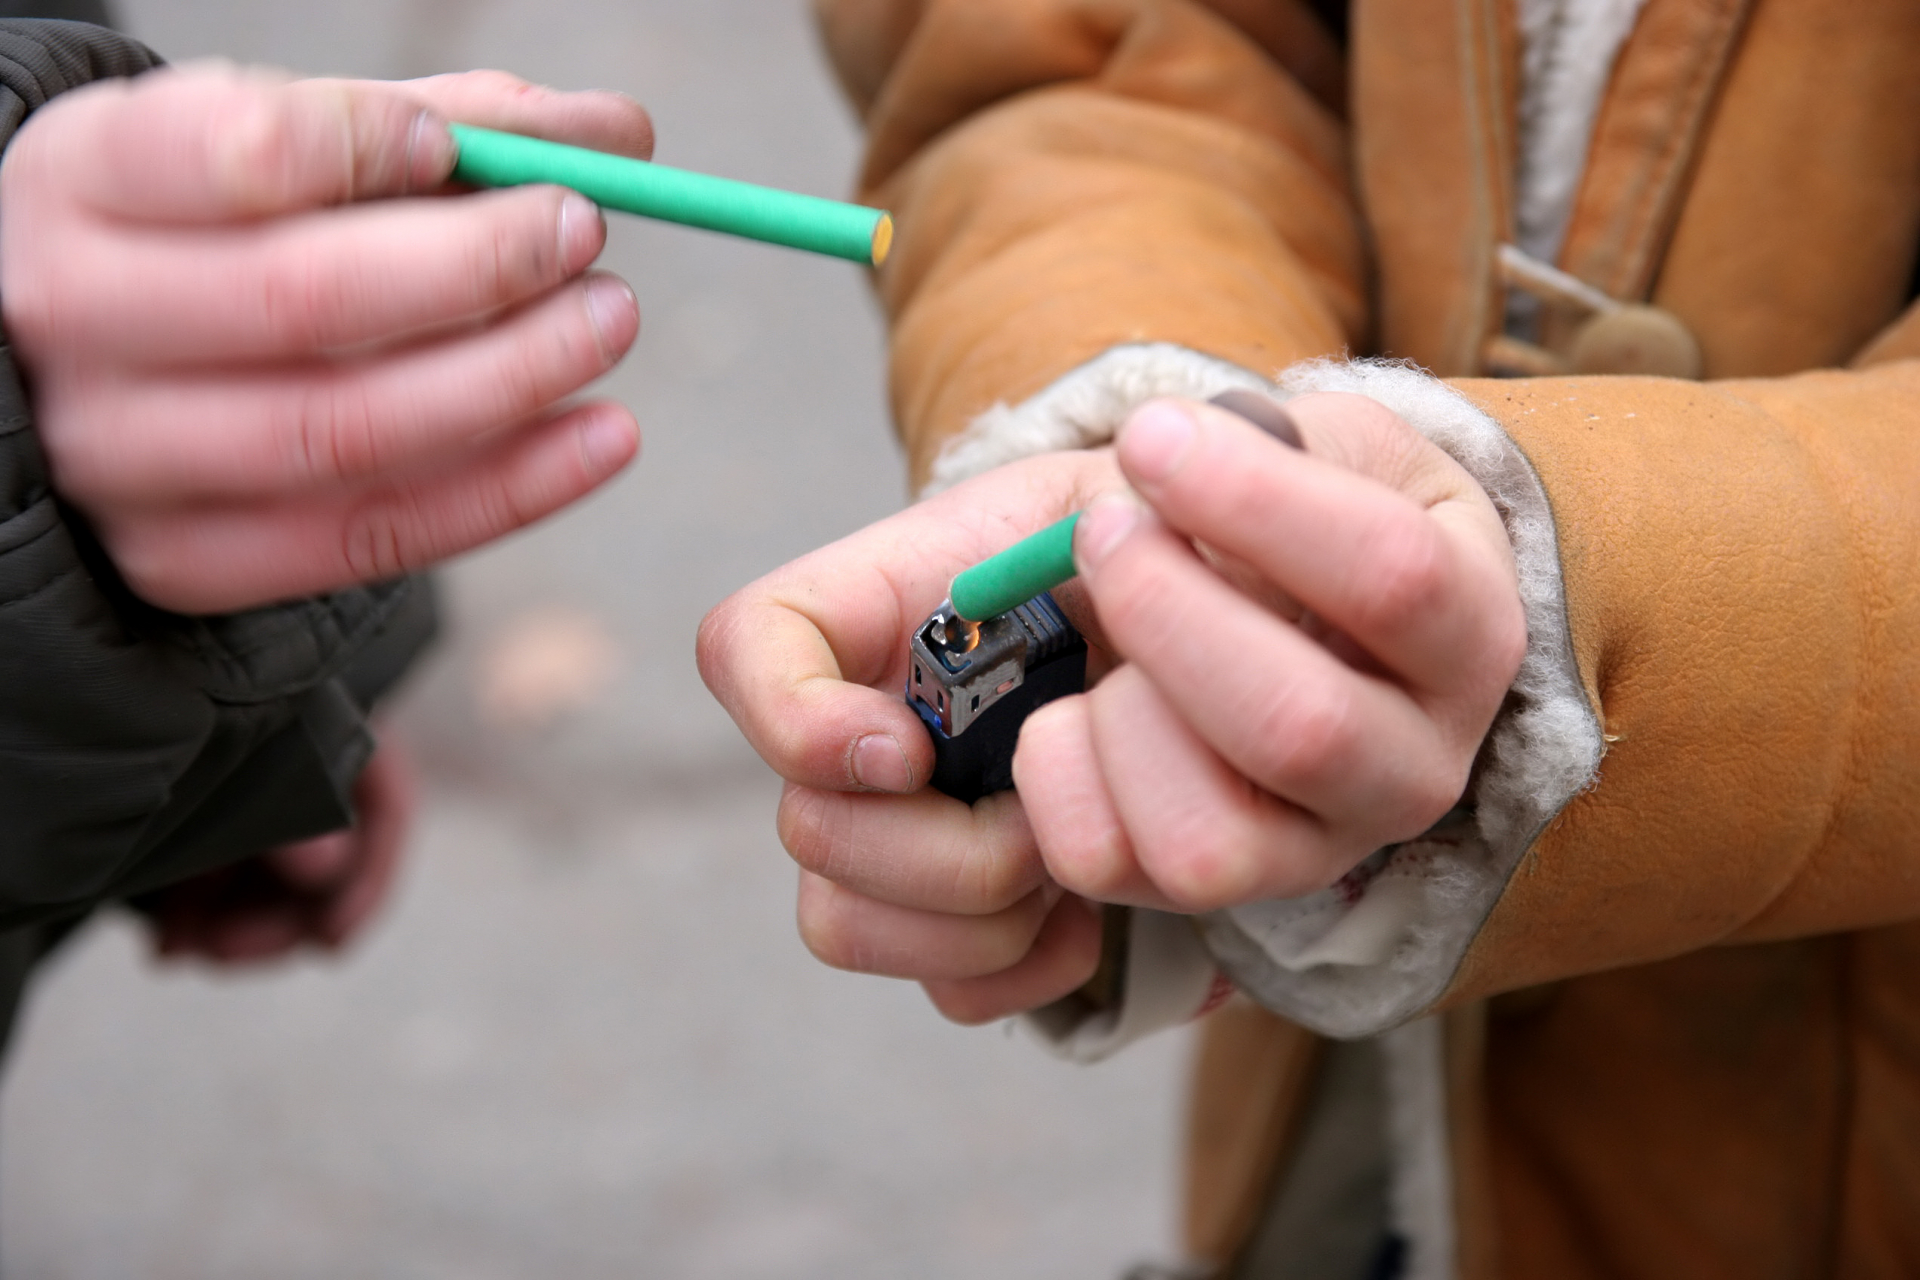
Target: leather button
[(1637, 340)]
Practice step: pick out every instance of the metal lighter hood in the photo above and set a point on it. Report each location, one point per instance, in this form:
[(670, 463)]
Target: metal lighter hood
[(975, 685)]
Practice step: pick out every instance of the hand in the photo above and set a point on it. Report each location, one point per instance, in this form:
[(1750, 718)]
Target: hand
[(811, 661), (1316, 645), (317, 893), (260, 371), (1310, 683)]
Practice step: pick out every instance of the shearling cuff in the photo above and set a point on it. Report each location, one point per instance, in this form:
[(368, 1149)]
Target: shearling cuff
[(1083, 409), (1381, 946), (1170, 980)]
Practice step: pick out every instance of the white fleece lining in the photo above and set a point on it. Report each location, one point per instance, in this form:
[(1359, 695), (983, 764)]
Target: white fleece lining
[(1569, 47), (1420, 1190), (1084, 408), (1169, 978)]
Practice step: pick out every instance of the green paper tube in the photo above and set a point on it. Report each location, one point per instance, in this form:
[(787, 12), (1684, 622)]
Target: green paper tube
[(491, 159), (1018, 574)]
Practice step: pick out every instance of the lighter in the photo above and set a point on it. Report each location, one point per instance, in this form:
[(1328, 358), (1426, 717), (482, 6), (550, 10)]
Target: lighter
[(975, 684)]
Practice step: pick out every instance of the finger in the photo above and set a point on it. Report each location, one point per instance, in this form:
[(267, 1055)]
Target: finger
[(848, 930), (384, 798), (1064, 957), (1072, 814), (926, 851), (1284, 711), (242, 437), (316, 283), (315, 865), (213, 143), (215, 560), (1410, 560), (782, 680), (793, 656), (597, 119), (248, 936), (1204, 835)]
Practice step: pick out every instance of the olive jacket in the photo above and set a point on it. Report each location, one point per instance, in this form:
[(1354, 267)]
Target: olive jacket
[(140, 747), (1651, 1009)]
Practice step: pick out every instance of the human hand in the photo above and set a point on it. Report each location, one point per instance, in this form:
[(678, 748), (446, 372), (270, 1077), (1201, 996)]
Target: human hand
[(811, 661), (1339, 729), (263, 374), (1316, 638), (318, 893)]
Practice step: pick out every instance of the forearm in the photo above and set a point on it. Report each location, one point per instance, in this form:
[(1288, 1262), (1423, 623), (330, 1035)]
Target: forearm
[(1739, 583), (1710, 739), (1068, 177)]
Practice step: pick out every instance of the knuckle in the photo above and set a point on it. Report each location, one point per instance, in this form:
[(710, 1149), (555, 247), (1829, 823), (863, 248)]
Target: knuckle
[(372, 542), (92, 453), (140, 553), (989, 880), (492, 81), (519, 248), (643, 132), (1206, 859), (713, 643), (505, 503), (1092, 863), (334, 434), (812, 832), (1426, 796), (1131, 598), (792, 743), (302, 303), (840, 935), (1305, 734), (1506, 645), (824, 932), (258, 154), (1406, 577), (36, 300), (1006, 937), (964, 1003), (532, 375)]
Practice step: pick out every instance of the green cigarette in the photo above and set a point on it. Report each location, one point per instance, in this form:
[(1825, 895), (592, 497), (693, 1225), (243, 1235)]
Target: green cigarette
[(1018, 574), (491, 159)]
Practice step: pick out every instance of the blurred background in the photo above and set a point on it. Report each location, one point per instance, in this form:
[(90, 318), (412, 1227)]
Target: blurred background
[(585, 1041)]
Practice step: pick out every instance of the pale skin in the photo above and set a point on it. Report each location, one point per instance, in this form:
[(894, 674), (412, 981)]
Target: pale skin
[(1303, 652), (270, 357)]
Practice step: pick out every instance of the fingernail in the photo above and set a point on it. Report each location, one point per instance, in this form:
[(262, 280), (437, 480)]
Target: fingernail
[(1105, 526), (615, 314), (583, 231), (1156, 440), (1263, 412), (607, 443), (430, 152), (880, 764)]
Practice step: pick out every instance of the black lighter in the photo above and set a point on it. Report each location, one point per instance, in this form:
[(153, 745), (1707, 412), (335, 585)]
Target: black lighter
[(976, 684)]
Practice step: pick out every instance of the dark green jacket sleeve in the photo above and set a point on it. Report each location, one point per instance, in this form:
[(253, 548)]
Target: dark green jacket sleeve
[(139, 747)]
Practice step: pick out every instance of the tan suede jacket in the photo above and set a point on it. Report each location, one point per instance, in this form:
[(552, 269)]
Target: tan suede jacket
[(1683, 1036)]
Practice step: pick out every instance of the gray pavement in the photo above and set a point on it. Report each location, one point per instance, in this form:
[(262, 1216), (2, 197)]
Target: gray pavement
[(586, 1042)]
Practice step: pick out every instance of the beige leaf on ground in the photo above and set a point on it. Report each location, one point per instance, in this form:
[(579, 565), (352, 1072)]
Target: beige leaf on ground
[(543, 666)]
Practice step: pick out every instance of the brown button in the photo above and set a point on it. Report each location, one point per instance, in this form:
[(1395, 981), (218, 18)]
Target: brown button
[(1637, 340)]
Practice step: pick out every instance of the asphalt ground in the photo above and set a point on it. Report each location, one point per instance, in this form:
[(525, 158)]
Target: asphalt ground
[(585, 1041)]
